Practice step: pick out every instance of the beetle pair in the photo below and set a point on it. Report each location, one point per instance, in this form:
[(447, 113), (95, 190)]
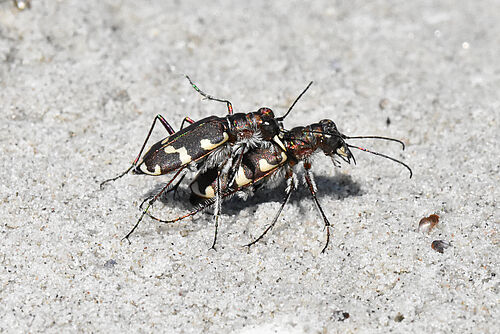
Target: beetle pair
[(211, 142), (240, 153)]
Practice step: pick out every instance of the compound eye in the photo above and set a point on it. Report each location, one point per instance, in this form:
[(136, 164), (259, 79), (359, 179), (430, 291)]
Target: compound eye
[(328, 124), (268, 113)]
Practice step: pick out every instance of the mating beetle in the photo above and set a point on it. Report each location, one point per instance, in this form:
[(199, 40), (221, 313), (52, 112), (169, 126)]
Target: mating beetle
[(260, 166), (201, 138), (211, 142)]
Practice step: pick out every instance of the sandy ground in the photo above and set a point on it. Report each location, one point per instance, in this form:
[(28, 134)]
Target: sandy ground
[(80, 83)]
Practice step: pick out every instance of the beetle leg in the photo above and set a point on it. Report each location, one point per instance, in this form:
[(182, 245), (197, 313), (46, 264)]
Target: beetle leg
[(218, 207), (173, 188), (312, 189), (235, 168), (170, 131), (151, 202), (186, 119), (288, 193)]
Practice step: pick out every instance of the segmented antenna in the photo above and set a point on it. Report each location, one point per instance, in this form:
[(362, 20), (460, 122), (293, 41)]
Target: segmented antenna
[(382, 155), (293, 104), (376, 137)]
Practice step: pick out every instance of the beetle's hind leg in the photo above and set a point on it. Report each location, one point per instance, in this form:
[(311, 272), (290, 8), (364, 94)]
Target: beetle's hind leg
[(170, 131), (151, 202), (170, 188), (288, 194), (291, 186), (218, 207)]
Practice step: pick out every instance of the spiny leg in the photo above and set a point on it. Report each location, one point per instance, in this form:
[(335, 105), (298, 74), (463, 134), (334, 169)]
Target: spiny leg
[(288, 193), (217, 200), (170, 131), (206, 204), (211, 201), (218, 207), (151, 202), (235, 167), (312, 188), (209, 97), (173, 188), (189, 214)]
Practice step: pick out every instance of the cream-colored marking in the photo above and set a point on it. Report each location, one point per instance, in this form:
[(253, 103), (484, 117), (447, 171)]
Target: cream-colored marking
[(341, 151), (208, 146), (145, 170), (208, 193), (157, 170), (265, 166), (241, 178), (278, 141), (164, 141), (183, 156), (283, 157)]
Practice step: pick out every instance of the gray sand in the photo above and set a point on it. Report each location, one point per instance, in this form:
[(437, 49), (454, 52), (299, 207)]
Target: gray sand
[(81, 82)]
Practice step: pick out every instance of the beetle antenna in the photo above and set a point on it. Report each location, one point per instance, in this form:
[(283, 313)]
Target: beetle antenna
[(210, 97), (293, 104), (383, 155), (377, 137)]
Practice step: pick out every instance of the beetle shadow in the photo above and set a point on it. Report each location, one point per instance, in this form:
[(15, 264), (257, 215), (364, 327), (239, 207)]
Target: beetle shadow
[(340, 186)]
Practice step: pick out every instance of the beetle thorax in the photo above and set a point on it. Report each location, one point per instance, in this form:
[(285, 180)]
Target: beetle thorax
[(302, 143)]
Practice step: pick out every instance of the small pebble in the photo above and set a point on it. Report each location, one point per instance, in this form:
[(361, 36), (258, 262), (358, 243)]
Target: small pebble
[(340, 315), (383, 103), (110, 263), (399, 317), (427, 224), (22, 4), (440, 245)]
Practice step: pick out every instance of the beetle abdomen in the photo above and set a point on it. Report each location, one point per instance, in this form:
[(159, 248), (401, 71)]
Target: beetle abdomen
[(181, 149)]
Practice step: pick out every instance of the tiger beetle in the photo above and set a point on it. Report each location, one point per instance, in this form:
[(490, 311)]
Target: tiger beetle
[(208, 143), (261, 166)]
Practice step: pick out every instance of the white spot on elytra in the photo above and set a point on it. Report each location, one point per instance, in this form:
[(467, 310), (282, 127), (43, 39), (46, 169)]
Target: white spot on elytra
[(157, 170), (183, 156), (145, 169), (265, 166), (241, 178), (208, 146), (208, 193)]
